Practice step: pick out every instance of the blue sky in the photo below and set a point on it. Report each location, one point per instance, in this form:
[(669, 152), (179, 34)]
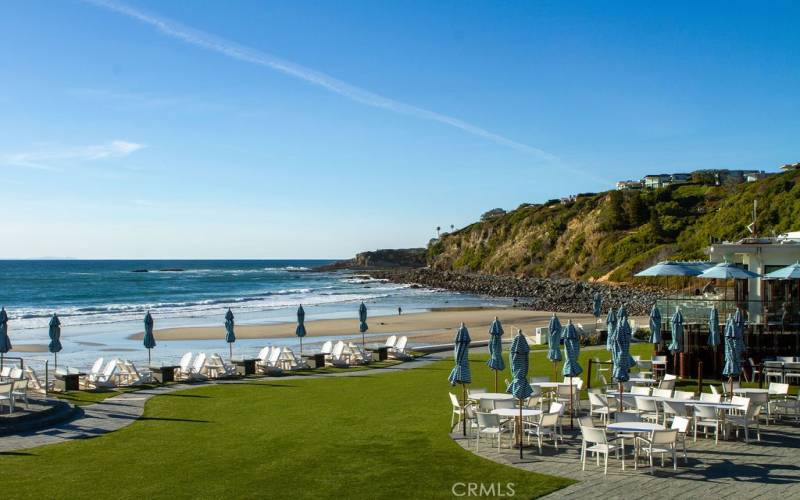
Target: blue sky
[(294, 129)]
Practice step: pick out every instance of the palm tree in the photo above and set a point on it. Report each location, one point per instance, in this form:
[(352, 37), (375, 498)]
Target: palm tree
[(438, 229)]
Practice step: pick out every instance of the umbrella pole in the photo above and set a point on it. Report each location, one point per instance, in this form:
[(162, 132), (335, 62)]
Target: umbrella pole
[(464, 411), (519, 431), (55, 358), (555, 378), (301, 347), (730, 386), (363, 341), (495, 381), (571, 409), (148, 357), (621, 388), (230, 350)]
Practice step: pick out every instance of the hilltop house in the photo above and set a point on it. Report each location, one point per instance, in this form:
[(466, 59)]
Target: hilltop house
[(790, 166), (625, 185), (656, 181)]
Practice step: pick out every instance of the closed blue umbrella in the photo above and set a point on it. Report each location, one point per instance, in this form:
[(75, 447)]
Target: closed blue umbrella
[(519, 387), (739, 322), (300, 331), (732, 366), (554, 342), (230, 337), (495, 361), (362, 325), (655, 326), (5, 342), (55, 337), (460, 373), (611, 324), (571, 368), (149, 340), (621, 357), (597, 305), (713, 328), (624, 329)]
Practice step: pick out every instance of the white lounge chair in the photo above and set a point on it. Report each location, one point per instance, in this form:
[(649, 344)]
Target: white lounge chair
[(216, 367), (133, 375), (357, 355), (327, 348), (198, 370), (292, 361), (34, 381), (185, 367), (338, 357), (399, 350), (5, 371), (391, 341), (108, 378)]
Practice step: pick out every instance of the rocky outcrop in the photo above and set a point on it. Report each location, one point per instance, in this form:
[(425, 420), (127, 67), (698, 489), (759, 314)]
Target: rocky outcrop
[(561, 295), (406, 258)]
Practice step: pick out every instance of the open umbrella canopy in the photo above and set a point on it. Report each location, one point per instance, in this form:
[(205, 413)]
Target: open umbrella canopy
[(572, 348), (554, 340), (230, 337), (671, 268), (149, 340), (5, 342), (362, 318), (713, 327), (611, 324), (460, 373), (731, 368), (655, 325), (55, 335), (676, 345), (519, 387), (495, 361), (300, 331), (727, 271), (785, 273), (597, 305)]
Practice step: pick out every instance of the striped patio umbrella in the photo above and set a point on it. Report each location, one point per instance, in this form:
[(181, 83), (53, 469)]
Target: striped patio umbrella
[(554, 342), (624, 328), (597, 305), (149, 340), (5, 342), (621, 357), (571, 368), (731, 368), (460, 373), (55, 337), (519, 387), (713, 333), (611, 324), (230, 337), (300, 331), (739, 322), (362, 324), (676, 345), (655, 326), (495, 361)]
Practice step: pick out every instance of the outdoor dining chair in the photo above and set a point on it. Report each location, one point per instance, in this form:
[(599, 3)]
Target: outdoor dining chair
[(595, 440), (658, 443)]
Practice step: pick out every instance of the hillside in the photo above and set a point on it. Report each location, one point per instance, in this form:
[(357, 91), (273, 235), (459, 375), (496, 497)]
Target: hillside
[(610, 235)]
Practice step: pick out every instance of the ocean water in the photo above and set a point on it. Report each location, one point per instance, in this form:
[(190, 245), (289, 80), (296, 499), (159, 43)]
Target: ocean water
[(101, 303)]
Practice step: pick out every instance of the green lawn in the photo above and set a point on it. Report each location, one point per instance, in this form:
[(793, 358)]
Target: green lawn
[(374, 435)]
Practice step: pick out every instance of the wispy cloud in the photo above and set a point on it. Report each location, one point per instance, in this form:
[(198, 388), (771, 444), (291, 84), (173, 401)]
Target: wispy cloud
[(48, 157), (236, 51)]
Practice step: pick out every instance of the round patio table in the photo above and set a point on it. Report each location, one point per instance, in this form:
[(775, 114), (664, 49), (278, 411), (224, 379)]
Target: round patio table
[(515, 413), (494, 396), (750, 390), (633, 428), (551, 385), (642, 380)]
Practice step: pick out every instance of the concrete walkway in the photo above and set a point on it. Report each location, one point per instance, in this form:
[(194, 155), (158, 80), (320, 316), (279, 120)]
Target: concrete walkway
[(731, 469), (120, 411)]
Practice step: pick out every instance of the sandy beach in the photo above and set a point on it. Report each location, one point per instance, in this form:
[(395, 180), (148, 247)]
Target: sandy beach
[(437, 326)]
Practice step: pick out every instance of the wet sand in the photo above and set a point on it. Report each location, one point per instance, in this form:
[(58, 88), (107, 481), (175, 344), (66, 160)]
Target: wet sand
[(434, 327)]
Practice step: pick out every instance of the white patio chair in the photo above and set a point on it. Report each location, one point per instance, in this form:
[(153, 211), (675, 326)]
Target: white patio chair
[(662, 393), (598, 405), (707, 397), (707, 417), (489, 425), (648, 409), (683, 395), (640, 390), (748, 419), (681, 424), (784, 405), (658, 442), (673, 409), (6, 396), (5, 372), (595, 440), (19, 391), (16, 374), (547, 425), (457, 414)]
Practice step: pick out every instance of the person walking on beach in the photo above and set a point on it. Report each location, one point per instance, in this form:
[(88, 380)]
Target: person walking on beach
[(399, 311)]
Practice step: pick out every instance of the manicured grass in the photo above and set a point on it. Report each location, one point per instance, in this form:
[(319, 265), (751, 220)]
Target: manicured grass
[(372, 435)]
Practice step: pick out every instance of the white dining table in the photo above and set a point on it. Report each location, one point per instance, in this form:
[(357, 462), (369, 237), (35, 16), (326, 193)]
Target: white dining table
[(633, 428), (494, 396), (551, 385), (750, 390), (515, 412), (642, 380)]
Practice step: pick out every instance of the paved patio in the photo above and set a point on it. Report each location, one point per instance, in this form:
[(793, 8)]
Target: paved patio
[(732, 469)]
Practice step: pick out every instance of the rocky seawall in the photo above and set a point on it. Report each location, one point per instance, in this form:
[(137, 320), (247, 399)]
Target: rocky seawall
[(559, 295)]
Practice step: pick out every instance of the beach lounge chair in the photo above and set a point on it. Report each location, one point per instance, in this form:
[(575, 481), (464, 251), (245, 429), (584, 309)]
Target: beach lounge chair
[(185, 367), (327, 348), (33, 379), (134, 376), (338, 357), (399, 349), (94, 371), (270, 364), (5, 372), (198, 370), (294, 362), (218, 368), (262, 364), (391, 341), (108, 378), (357, 355)]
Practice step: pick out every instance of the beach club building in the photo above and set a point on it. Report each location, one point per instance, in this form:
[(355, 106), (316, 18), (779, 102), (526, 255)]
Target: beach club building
[(770, 304)]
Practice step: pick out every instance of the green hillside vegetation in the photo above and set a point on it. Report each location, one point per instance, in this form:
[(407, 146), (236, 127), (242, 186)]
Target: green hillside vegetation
[(613, 234)]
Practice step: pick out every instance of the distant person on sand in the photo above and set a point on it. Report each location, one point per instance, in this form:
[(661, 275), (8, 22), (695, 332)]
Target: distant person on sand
[(399, 311)]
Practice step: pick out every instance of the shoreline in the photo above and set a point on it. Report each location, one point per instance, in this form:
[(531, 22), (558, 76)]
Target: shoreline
[(435, 326)]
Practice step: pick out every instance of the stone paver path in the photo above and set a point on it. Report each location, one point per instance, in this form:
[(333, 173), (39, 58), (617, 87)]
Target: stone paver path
[(119, 411), (732, 469)]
